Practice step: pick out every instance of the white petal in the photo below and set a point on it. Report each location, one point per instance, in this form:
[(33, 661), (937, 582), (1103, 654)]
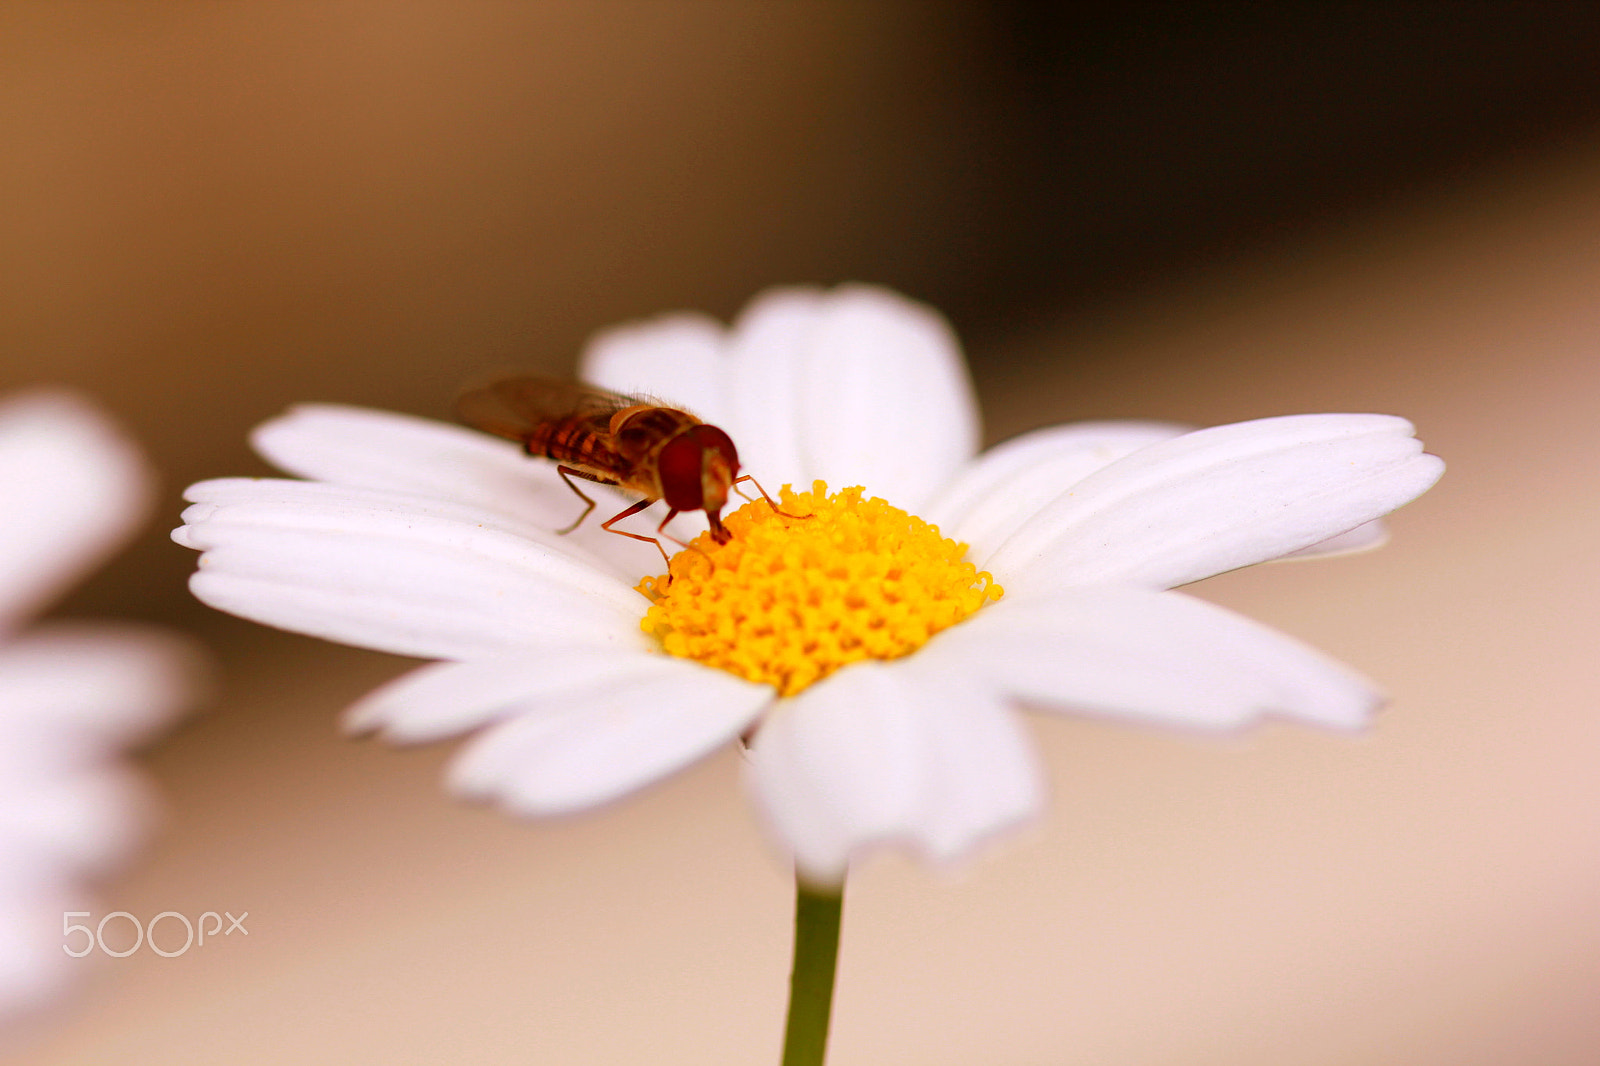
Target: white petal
[(365, 448), (79, 824), (82, 690), (393, 573), (73, 489), (768, 344), (1159, 656), (72, 697), (1014, 480), (566, 750), (401, 454), (1218, 499), (1365, 537), (888, 753), (858, 386), (679, 359), (888, 398), (309, 503), (442, 699), (33, 968)]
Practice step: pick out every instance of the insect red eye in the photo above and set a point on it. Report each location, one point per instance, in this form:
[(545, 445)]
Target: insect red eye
[(713, 439), (679, 464)]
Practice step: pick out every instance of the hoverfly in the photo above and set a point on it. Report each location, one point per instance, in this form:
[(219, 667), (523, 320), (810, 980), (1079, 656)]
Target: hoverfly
[(631, 442)]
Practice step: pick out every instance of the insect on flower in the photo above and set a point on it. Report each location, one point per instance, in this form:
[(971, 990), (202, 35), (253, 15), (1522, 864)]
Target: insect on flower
[(632, 442)]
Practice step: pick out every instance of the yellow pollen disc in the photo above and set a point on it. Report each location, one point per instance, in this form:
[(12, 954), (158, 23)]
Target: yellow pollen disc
[(789, 600)]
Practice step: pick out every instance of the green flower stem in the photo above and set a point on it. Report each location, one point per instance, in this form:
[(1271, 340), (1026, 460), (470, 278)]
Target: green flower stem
[(816, 957)]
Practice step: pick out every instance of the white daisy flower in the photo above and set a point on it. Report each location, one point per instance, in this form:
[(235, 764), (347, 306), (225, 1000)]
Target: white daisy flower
[(872, 666), (73, 696)]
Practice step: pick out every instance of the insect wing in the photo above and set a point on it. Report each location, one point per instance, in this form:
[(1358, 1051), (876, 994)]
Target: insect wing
[(523, 407)]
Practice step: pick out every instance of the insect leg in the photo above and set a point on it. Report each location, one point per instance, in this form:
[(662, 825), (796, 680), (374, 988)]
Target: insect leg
[(635, 509), (567, 474), (661, 529), (764, 496)]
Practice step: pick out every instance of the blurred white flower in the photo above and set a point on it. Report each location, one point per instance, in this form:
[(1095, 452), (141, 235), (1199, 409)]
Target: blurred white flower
[(73, 696), (872, 669)]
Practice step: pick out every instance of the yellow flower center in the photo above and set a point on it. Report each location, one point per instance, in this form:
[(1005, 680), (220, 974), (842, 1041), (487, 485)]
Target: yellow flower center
[(789, 600)]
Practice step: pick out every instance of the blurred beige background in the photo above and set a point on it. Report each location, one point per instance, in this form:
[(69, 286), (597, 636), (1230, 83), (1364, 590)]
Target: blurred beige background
[(215, 210)]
